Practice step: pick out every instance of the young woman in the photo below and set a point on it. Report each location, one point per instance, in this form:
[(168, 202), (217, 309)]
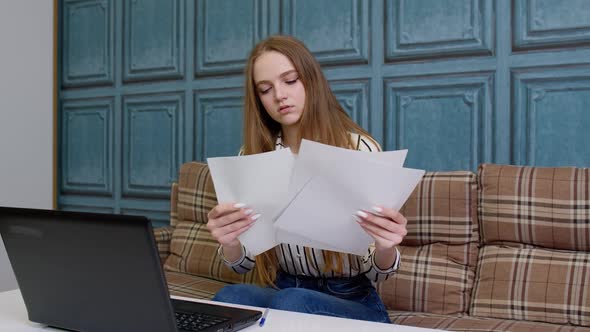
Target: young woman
[(287, 99)]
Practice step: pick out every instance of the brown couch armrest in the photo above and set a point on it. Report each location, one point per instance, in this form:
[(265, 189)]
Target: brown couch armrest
[(162, 236)]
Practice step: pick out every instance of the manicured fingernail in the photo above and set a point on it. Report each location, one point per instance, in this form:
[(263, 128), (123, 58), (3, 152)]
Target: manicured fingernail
[(248, 212), (377, 209), (361, 214), (357, 219), (255, 217), (239, 205)]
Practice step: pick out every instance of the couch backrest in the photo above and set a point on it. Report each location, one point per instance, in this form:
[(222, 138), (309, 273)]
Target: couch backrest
[(535, 232), (439, 253), (192, 248)]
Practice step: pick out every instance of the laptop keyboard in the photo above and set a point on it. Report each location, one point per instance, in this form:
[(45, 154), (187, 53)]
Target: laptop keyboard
[(196, 321)]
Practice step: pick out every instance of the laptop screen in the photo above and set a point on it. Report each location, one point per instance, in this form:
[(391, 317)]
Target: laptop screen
[(89, 272)]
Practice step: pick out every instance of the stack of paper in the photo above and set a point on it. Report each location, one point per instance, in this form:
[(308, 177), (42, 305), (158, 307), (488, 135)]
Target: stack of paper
[(310, 199)]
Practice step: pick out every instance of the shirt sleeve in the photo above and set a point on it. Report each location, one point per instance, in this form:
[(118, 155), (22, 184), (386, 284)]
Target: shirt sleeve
[(364, 143), (242, 265), (374, 273)]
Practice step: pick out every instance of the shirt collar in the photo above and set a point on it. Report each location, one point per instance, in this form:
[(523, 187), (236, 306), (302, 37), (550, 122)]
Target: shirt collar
[(279, 142)]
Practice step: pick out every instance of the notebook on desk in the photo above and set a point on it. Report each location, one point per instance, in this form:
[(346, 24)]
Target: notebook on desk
[(101, 272)]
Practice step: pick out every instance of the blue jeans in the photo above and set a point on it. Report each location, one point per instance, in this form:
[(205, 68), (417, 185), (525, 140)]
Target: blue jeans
[(354, 298)]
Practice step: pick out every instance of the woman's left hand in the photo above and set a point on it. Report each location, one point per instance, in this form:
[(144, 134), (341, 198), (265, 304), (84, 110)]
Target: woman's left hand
[(386, 226)]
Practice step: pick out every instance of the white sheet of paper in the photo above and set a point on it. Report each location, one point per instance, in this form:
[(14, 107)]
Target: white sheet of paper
[(312, 198), (323, 209), (260, 181), (318, 215), (318, 158)]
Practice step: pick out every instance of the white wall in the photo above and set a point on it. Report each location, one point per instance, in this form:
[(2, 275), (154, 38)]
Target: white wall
[(26, 110)]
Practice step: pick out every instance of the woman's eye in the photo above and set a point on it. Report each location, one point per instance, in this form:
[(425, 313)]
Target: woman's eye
[(265, 91), (292, 81)]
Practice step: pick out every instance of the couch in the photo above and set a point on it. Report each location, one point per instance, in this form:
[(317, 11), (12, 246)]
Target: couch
[(506, 249)]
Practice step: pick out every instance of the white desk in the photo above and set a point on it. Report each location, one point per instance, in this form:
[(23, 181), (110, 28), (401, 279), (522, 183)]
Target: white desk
[(13, 317)]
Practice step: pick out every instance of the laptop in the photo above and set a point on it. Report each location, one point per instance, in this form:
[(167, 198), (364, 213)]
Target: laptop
[(101, 272)]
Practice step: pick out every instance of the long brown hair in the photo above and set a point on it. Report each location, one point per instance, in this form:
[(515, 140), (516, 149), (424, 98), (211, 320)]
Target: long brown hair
[(323, 120)]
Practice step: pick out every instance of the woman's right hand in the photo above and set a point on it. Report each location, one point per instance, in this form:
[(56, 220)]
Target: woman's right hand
[(228, 220)]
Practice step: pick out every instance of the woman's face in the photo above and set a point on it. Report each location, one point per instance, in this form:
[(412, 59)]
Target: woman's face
[(279, 88)]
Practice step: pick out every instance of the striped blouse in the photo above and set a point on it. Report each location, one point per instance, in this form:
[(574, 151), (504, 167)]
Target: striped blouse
[(305, 261)]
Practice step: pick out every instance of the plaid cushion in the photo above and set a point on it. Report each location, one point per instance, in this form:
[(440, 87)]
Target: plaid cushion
[(174, 204), (436, 278), (466, 323), (182, 284), (162, 235), (440, 251), (196, 194), (527, 283), (194, 250), (442, 209), (547, 207)]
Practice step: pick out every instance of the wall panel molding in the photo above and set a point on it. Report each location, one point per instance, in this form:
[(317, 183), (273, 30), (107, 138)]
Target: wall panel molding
[(550, 112), (88, 42), (218, 122), (87, 147), (225, 31), (420, 30), (446, 122), (338, 38), (152, 148), (153, 51), (353, 96), (542, 24)]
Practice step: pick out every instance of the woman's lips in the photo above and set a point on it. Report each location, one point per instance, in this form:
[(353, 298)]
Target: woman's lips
[(285, 109)]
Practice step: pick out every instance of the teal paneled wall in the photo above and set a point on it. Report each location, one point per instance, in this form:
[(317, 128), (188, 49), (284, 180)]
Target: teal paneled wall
[(146, 85)]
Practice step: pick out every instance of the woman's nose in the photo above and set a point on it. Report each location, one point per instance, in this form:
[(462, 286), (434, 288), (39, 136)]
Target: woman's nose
[(279, 94)]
